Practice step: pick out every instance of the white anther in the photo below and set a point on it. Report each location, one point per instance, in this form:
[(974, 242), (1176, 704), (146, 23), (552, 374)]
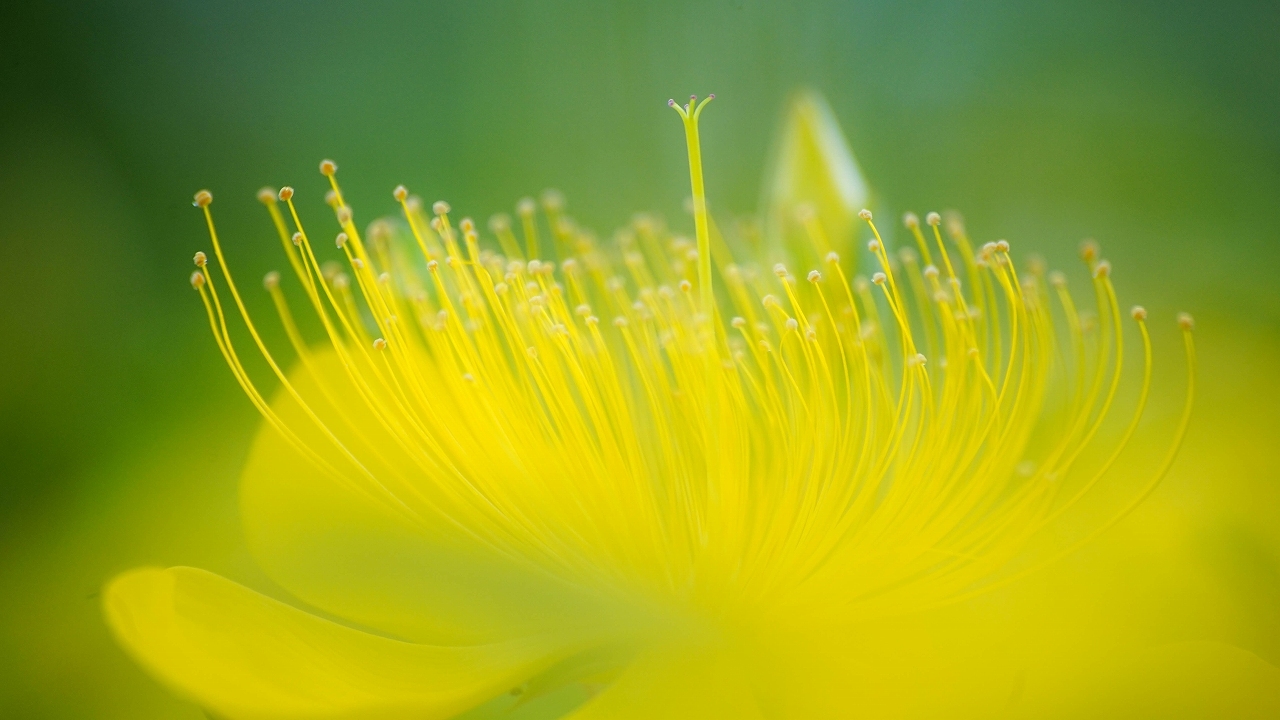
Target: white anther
[(780, 270), (583, 309), (933, 219), (358, 263), (534, 266), (297, 238), (833, 257), (197, 279), (201, 259), (570, 265), (400, 193), (768, 300), (379, 344), (1139, 313), (911, 221), (930, 271), (865, 214), (384, 278), (440, 207), (738, 322), (344, 215), (686, 286), (873, 245), (340, 240), (1002, 246), (620, 322), (811, 334), (204, 198), (271, 280), (1102, 269), (340, 281), (792, 323), (814, 276), (1185, 321), (879, 278), (526, 206), (432, 265), (1057, 279)]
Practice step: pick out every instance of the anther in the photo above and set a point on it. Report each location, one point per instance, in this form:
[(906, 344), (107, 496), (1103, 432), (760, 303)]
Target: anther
[(907, 255), (358, 263), (328, 168), (686, 286), (811, 334), (499, 223), (197, 279), (1002, 246), (400, 193), (931, 271), (1089, 250), (814, 276), (768, 300), (738, 322), (833, 257), (202, 199), (331, 199), (1139, 313), (500, 289), (792, 323), (620, 322), (879, 278), (552, 199), (344, 215), (271, 280), (780, 270), (973, 352), (266, 196), (591, 320), (526, 206), (440, 207), (340, 240), (934, 219), (297, 238), (467, 225), (911, 221), (1102, 270), (379, 344), (534, 266), (873, 245), (432, 265), (1185, 321), (915, 360), (468, 377), (865, 214), (436, 225), (384, 278), (1057, 279), (200, 259), (285, 194)]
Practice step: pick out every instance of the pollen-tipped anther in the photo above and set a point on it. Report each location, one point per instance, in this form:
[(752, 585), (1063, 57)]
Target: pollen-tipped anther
[(865, 214), (328, 168), (1185, 321), (379, 344), (933, 219), (202, 199), (197, 279), (1138, 312), (400, 193), (267, 196), (286, 193), (200, 259)]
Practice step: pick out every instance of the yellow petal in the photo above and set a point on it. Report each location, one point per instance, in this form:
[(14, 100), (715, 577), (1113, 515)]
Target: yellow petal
[(674, 684), (351, 556), (243, 655), (1183, 680), (813, 169)]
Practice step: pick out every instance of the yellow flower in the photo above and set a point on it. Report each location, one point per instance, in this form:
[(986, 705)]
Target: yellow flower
[(650, 481)]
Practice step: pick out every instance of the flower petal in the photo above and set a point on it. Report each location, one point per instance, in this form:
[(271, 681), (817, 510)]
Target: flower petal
[(1181, 680), (671, 683), (243, 655), (813, 169), (339, 550)]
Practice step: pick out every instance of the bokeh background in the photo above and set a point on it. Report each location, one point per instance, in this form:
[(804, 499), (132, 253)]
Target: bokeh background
[(1151, 126)]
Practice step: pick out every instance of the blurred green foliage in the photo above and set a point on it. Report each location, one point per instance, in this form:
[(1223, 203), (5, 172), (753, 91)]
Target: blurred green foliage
[(1150, 126)]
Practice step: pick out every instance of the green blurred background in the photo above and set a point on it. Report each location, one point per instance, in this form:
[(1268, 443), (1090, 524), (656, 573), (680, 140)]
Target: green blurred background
[(1154, 127)]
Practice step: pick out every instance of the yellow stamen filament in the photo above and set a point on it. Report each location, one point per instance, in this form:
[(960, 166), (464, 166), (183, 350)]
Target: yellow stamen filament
[(892, 443)]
